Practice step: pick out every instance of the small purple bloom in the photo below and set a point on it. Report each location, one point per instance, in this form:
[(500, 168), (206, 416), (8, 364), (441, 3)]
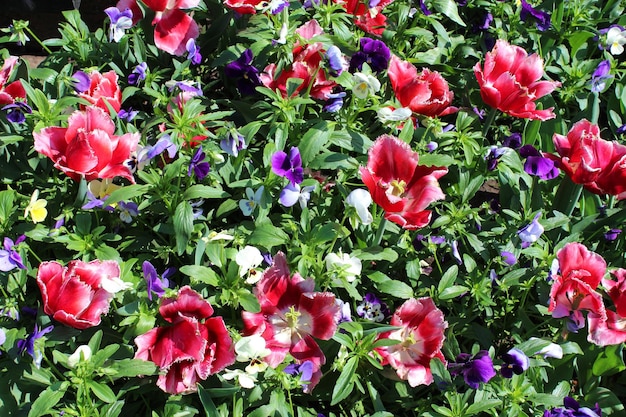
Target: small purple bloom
[(335, 61), (621, 130), (437, 240), (3, 337), (542, 19), (127, 115), (60, 222), (371, 308), (345, 313), (455, 252), (538, 165), (155, 284), (187, 87), (461, 3), (138, 74), (573, 409), (233, 143), (373, 52), (16, 112), (288, 165), (493, 155), (277, 6), (81, 81), (431, 146), (480, 113), (193, 52), (93, 202), (335, 102), (267, 258), (292, 194), (423, 7), (305, 370), (198, 165), (128, 210), (600, 76), (475, 369), (515, 362), (531, 232), (9, 257), (514, 141), (120, 22), (247, 76), (612, 234), (28, 344), (508, 258), (485, 21)]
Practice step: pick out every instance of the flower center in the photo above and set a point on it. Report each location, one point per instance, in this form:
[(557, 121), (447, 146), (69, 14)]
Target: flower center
[(397, 188), (292, 317)]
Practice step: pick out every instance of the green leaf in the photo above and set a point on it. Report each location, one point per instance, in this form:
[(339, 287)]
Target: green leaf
[(48, 399), (113, 409), (127, 193), (132, 367), (452, 292), (183, 225), (7, 197), (376, 253), (345, 382), (207, 403), (204, 191), (448, 278), (201, 273), (481, 406), (396, 288), (610, 361), (313, 141), (248, 301), (267, 235), (102, 391)]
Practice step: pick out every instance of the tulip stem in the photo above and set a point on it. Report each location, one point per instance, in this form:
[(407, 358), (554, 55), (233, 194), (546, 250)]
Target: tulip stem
[(380, 231), (567, 196), (45, 48), (489, 121)]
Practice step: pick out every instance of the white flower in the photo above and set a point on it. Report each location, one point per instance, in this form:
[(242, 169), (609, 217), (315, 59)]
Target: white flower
[(615, 40), (243, 378), (248, 259), (387, 114), (114, 285), (251, 348), (364, 84), (361, 199), (82, 353), (344, 265), (551, 351)]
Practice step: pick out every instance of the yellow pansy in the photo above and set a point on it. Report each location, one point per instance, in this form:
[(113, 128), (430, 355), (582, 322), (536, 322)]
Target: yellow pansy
[(36, 208)]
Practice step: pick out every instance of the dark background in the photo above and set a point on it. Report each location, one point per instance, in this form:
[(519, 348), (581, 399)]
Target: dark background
[(44, 17)]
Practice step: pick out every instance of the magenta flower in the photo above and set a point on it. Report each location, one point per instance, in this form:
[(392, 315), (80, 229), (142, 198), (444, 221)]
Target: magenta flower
[(155, 284), (515, 362), (198, 165), (9, 257), (475, 370), (288, 165), (292, 315)]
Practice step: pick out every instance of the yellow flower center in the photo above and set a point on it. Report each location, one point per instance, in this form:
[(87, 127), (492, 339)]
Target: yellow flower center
[(397, 188)]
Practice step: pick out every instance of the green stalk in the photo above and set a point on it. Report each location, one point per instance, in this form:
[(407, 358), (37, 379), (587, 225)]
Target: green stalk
[(36, 38), (489, 121)]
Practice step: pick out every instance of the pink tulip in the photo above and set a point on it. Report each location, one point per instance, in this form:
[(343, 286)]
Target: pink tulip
[(173, 27), (9, 92), (193, 347), (420, 337), (88, 146), (399, 185), (103, 90), (425, 93), (509, 82), (74, 295)]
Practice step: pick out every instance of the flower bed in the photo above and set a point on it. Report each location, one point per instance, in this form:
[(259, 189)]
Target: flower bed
[(336, 208)]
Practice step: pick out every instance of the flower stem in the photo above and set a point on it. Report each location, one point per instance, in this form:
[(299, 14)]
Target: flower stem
[(489, 121), (36, 38), (380, 231)]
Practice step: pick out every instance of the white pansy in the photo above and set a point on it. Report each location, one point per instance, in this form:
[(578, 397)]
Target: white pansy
[(82, 353), (251, 348), (364, 84), (114, 284), (344, 265), (615, 40), (387, 114), (244, 379), (248, 259), (361, 199)]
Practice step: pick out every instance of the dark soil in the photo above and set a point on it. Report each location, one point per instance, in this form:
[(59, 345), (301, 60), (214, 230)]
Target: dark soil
[(44, 17)]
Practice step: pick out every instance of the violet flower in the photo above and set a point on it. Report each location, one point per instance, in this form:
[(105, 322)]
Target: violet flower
[(374, 52), (233, 143), (531, 232), (120, 22), (621, 130), (508, 258), (334, 102), (28, 344), (9, 257), (247, 76), (127, 115), (305, 370), (193, 52), (475, 369), (600, 76), (292, 194), (493, 156), (424, 9), (16, 112), (514, 141), (81, 81), (612, 235), (542, 19), (335, 61), (3, 337), (345, 313), (155, 284), (128, 210), (573, 409), (515, 362), (138, 74), (288, 165), (371, 308), (538, 165), (198, 165)]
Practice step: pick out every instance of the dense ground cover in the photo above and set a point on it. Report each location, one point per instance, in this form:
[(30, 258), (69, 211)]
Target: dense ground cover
[(322, 208)]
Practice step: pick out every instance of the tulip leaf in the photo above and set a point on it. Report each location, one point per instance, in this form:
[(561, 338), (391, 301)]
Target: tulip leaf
[(132, 367), (313, 141), (396, 288), (48, 399), (610, 361), (207, 402)]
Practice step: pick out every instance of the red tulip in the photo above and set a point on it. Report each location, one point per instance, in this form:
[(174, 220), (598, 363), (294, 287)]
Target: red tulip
[(103, 89), (420, 337), (509, 81), (173, 27), (599, 165), (425, 93), (368, 19), (192, 348), (243, 6), (291, 315), (88, 147), (74, 295), (399, 185), (9, 92)]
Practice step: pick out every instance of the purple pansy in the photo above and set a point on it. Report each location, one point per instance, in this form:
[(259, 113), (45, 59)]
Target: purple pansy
[(371, 308), (345, 313), (335, 61), (515, 362), (305, 370), (120, 22), (233, 143), (573, 409), (475, 370), (156, 285), (531, 232), (193, 52), (127, 115), (542, 19), (28, 344), (198, 165), (612, 235), (493, 156), (374, 52), (9, 257), (292, 194), (600, 76), (538, 165), (514, 141), (423, 7), (288, 165), (244, 72), (138, 74), (16, 112), (334, 102), (128, 210), (508, 257), (80, 81)]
